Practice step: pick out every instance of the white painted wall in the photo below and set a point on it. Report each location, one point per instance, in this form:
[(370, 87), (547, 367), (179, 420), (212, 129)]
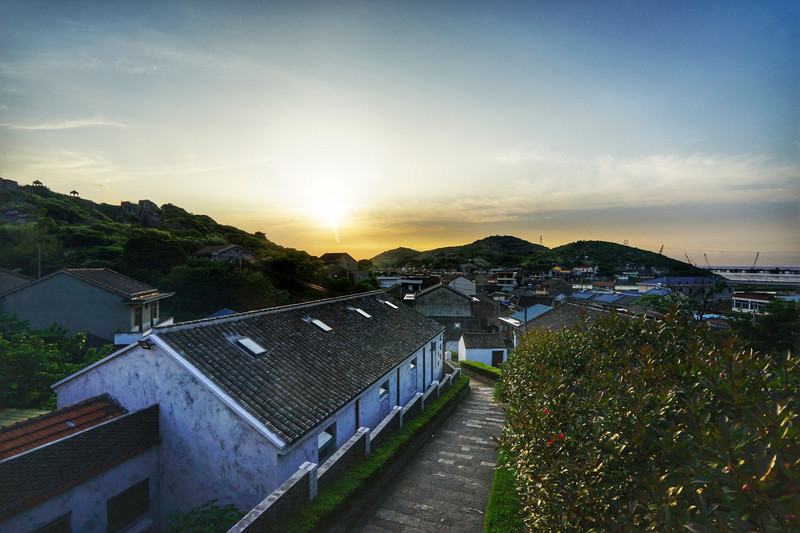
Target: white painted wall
[(207, 450), (479, 356), (87, 501)]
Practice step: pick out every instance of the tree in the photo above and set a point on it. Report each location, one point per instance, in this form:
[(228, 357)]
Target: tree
[(775, 332), (639, 425)]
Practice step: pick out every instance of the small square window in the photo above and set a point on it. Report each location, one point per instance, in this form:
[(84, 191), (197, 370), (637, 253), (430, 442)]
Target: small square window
[(383, 392), (326, 443), (127, 506), (414, 364)]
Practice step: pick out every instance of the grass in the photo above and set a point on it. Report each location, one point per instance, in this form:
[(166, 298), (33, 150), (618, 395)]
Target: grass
[(363, 474), (503, 514)]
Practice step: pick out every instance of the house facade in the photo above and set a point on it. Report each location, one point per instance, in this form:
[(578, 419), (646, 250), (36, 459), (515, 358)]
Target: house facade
[(245, 399), (442, 300), (692, 286), (464, 285), (99, 301), (227, 252)]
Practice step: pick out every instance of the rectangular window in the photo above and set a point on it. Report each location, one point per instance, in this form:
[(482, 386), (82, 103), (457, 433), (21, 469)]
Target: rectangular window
[(326, 443), (383, 392), (127, 506), (414, 364), (137, 318)]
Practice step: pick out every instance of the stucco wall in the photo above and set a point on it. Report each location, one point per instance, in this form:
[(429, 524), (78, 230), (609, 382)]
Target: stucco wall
[(479, 356), (207, 450), (87, 501), (71, 303)]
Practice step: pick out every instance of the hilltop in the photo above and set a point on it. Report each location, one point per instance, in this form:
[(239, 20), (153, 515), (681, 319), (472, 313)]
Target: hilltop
[(508, 251), (154, 245), (499, 250)]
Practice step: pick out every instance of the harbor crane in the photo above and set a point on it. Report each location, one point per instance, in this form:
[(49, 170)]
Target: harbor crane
[(689, 260), (707, 263), (662, 249), (755, 261)]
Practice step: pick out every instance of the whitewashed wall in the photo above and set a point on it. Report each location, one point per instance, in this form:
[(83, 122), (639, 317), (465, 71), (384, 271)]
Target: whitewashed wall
[(207, 450)]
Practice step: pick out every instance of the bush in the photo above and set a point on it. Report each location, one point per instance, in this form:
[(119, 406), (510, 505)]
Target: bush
[(481, 369), (625, 424), (207, 518), (504, 512)]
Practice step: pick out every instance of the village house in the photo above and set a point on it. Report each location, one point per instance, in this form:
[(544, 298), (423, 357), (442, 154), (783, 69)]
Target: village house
[(244, 400), (11, 280), (486, 348), (692, 286), (98, 301), (441, 300), (228, 252), (749, 302), (342, 265), (463, 285)]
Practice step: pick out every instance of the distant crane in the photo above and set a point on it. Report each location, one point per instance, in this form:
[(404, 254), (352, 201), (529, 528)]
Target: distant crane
[(662, 249), (707, 264), (687, 258), (755, 261)]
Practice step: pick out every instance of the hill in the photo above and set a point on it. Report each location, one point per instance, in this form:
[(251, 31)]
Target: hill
[(499, 250), (154, 244), (390, 258), (609, 257)]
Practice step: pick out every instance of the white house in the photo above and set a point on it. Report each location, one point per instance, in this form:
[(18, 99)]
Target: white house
[(245, 399), (487, 348)]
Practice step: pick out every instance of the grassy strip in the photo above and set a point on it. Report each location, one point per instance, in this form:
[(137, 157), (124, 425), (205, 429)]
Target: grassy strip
[(363, 473), (490, 372), (503, 514)]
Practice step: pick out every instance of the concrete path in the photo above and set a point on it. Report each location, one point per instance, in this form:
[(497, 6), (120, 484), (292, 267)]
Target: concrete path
[(446, 487)]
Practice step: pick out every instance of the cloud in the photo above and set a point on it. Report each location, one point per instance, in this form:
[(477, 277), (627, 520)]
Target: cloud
[(64, 125)]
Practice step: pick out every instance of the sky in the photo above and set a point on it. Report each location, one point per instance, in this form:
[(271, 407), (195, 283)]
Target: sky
[(364, 126)]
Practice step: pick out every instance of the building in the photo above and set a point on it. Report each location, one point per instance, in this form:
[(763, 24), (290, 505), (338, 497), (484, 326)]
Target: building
[(441, 300), (464, 285), (11, 280), (455, 327), (98, 301), (89, 467), (245, 399), (749, 302), (227, 252), (342, 265), (486, 348), (506, 280), (692, 286)]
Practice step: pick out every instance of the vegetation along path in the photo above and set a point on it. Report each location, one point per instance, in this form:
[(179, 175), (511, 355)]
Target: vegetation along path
[(446, 487)]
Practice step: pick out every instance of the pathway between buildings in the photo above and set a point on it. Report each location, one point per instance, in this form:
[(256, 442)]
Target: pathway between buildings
[(446, 487)]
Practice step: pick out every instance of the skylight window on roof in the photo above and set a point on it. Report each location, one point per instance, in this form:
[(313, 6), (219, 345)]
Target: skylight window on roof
[(321, 325), (360, 312), (251, 346), (390, 304)]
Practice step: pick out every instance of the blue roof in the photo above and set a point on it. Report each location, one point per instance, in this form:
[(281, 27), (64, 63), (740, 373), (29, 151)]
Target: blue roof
[(222, 312), (533, 312)]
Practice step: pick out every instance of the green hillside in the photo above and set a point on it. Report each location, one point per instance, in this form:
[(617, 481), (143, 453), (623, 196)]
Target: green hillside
[(391, 258), (154, 244), (609, 257)]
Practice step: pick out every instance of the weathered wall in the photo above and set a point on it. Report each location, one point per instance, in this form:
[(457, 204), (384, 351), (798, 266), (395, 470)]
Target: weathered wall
[(464, 285), (477, 355), (207, 450), (71, 303), (87, 501), (443, 302)]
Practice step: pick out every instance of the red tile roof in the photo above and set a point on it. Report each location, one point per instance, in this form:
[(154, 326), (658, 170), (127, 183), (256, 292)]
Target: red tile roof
[(34, 432)]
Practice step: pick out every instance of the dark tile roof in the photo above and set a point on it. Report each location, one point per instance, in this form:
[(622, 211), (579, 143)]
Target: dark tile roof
[(565, 315), (440, 286), (455, 326), (34, 432), (215, 250), (484, 341), (37, 475), (330, 257), (305, 373), (113, 281)]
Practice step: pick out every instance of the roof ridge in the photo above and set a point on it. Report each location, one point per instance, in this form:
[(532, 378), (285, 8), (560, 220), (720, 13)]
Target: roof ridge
[(261, 312), (75, 271)]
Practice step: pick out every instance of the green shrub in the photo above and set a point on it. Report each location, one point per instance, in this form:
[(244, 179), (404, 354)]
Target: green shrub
[(490, 372), (636, 425), (504, 512), (207, 518), (336, 496)]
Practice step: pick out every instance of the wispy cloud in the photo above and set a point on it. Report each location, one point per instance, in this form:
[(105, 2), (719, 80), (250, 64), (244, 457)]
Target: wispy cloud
[(63, 125)]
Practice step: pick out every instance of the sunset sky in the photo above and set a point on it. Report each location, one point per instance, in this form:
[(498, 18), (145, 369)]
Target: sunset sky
[(363, 126)]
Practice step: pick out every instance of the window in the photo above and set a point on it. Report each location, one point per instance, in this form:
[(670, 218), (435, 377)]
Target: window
[(137, 318), (390, 304), (130, 504), (321, 325), (59, 525), (326, 443), (433, 346), (251, 346), (413, 364), (360, 312), (383, 392)]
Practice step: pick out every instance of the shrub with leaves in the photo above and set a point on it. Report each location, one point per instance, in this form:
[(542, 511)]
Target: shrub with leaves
[(635, 425), (207, 518)]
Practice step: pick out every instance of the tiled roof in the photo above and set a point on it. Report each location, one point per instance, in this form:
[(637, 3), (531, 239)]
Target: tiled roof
[(34, 432), (113, 281), (685, 281), (484, 341), (532, 312), (456, 326), (565, 315), (305, 373), (440, 286)]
